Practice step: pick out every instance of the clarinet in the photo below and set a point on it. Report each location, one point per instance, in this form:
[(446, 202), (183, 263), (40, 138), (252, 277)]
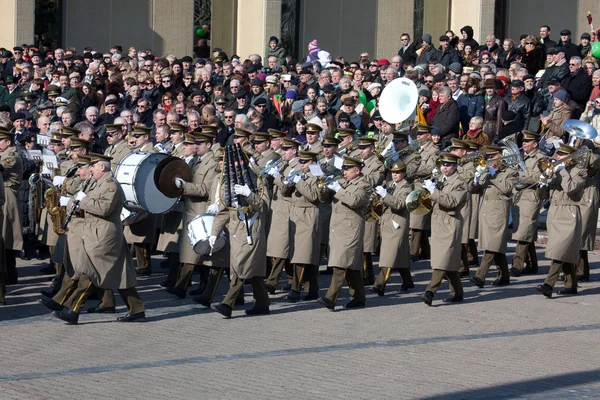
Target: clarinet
[(225, 182), (75, 204), (242, 202), (244, 167)]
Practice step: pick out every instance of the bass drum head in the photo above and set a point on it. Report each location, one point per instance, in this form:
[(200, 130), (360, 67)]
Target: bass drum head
[(150, 198), (203, 248)]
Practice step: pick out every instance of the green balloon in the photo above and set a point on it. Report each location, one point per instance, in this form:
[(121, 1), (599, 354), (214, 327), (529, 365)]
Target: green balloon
[(371, 105), (362, 98), (596, 49), (200, 32)]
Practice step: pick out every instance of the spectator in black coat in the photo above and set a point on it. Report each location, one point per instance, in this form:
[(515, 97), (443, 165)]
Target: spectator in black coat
[(578, 85), (571, 49), (533, 57), (447, 117), (448, 54), (427, 51), (509, 127), (545, 38), (557, 69), (467, 35), (407, 51), (519, 103)]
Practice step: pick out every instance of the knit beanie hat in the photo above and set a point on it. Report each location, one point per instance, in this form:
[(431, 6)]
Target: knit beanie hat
[(313, 45)]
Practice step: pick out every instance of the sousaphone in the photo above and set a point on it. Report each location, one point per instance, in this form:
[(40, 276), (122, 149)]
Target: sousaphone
[(398, 101)]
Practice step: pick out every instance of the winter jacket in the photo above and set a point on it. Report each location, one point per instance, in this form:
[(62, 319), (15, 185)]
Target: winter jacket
[(579, 86), (556, 70), (278, 52)]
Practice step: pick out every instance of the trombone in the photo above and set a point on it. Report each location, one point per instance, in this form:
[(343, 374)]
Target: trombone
[(415, 145)]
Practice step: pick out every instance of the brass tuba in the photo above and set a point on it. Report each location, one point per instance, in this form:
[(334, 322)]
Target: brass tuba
[(418, 202)]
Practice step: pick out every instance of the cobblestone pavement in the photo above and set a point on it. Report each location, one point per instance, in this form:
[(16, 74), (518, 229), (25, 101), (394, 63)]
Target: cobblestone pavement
[(499, 343)]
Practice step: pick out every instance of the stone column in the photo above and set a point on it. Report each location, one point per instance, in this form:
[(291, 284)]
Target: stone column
[(17, 21), (173, 27), (394, 17), (223, 34)]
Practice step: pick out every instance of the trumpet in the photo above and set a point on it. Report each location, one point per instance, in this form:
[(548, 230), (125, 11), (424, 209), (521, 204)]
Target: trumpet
[(411, 148), (279, 164), (348, 148), (289, 181), (470, 157), (323, 181), (512, 160), (581, 158)]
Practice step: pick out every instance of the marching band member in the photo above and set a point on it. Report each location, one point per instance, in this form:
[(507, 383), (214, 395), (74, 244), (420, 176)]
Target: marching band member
[(421, 224), (264, 152), (565, 190), (196, 195), (276, 140), (526, 208), (278, 243), (142, 234), (219, 261), (346, 135), (312, 138), (248, 261), (589, 216), (172, 227), (495, 182), (12, 232), (305, 237), (117, 149), (372, 171), (447, 197), (466, 172), (98, 265), (474, 198), (350, 201), (331, 163), (176, 137), (395, 250)]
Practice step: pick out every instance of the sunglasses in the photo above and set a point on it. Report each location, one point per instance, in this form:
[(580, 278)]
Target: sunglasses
[(529, 43), (303, 161), (373, 65), (573, 65), (428, 81), (260, 106), (166, 81)]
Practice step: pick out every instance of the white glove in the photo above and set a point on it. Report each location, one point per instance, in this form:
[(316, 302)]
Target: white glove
[(558, 168), (395, 224), (58, 180), (296, 179), (334, 186), (556, 143), (211, 241), (64, 200), (274, 172), (179, 183), (492, 170), (543, 180), (79, 196), (213, 208), (476, 178), (429, 185), (242, 190), (252, 161), (380, 190)]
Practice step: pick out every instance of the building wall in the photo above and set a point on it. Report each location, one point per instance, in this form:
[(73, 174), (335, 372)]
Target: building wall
[(251, 26), (528, 16), (164, 26), (16, 19), (341, 27), (394, 17)]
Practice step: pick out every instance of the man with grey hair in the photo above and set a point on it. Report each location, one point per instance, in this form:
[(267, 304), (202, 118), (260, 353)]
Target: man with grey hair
[(578, 85), (447, 117)]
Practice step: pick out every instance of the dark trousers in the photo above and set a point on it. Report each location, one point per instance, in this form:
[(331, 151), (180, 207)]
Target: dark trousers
[(456, 288), (67, 287), (259, 291), (142, 254), (419, 244), (212, 284), (279, 264), (173, 272), (306, 275), (473, 255), (524, 252), (356, 285), (583, 266), (84, 287), (12, 276), (184, 278), (490, 257), (368, 268), (384, 276), (567, 268), (464, 258)]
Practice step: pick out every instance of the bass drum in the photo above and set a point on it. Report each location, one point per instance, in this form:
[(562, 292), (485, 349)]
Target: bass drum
[(135, 173), (199, 229)]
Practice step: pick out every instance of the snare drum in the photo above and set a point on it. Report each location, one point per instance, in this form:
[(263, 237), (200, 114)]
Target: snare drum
[(135, 173), (199, 229)]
